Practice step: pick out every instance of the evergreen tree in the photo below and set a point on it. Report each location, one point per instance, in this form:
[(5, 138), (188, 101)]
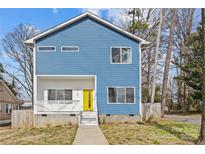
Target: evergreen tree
[(193, 68)]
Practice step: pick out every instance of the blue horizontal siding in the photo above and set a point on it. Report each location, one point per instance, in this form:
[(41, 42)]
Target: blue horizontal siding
[(93, 58)]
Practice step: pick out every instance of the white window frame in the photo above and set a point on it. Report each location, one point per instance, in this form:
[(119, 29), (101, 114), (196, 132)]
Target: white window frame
[(70, 47), (56, 95), (125, 94), (46, 50), (120, 52)]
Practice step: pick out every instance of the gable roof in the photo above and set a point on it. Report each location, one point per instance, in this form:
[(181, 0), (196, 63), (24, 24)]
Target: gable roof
[(7, 95), (92, 16)]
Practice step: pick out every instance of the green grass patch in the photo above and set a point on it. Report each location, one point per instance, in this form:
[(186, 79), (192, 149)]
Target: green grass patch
[(161, 132), (39, 136)]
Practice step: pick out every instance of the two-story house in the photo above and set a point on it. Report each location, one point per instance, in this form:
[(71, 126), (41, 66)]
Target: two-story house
[(85, 70)]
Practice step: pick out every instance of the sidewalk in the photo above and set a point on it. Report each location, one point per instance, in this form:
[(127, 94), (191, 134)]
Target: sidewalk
[(90, 135)]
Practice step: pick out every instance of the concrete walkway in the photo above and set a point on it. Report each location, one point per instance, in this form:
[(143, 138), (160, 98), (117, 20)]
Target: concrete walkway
[(90, 135)]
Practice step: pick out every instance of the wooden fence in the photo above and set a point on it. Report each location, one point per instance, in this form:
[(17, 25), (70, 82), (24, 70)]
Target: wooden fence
[(149, 109), (22, 118)]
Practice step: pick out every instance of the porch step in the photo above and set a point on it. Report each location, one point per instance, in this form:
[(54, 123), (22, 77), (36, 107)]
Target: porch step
[(89, 118), (89, 113)]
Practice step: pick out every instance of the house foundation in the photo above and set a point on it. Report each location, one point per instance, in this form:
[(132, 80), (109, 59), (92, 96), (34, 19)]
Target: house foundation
[(106, 118), (43, 120)]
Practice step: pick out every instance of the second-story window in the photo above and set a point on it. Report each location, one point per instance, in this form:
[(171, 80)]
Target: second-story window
[(121, 55), (69, 48), (46, 48)]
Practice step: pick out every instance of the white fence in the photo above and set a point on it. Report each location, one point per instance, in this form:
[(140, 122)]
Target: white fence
[(149, 109), (55, 106)]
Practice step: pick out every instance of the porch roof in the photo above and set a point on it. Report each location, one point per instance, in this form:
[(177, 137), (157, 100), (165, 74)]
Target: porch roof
[(6, 96)]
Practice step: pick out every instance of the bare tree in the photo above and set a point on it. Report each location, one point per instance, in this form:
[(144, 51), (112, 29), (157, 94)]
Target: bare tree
[(184, 29), (202, 132), (167, 61), (156, 56), (21, 67), (144, 23), (1, 71)]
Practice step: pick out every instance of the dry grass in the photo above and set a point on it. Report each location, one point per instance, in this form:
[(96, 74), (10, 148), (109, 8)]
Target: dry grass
[(39, 136), (161, 132)]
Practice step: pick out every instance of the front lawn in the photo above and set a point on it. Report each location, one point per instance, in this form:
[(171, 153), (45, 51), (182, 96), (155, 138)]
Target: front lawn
[(161, 132), (49, 135)]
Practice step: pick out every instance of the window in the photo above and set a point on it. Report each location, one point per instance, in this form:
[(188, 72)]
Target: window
[(59, 94), (129, 95), (116, 55), (69, 48), (121, 95), (46, 48), (112, 95), (8, 108), (121, 55), (68, 94), (51, 94)]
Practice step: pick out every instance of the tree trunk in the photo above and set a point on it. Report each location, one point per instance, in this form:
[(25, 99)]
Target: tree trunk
[(179, 87), (148, 75), (185, 52), (180, 83), (167, 61), (202, 132), (156, 57)]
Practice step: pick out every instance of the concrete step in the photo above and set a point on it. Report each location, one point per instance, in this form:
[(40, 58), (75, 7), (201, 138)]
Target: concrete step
[(89, 113), (89, 116), (89, 119)]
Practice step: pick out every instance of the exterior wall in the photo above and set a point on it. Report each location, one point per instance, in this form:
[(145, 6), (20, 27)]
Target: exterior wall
[(55, 119), (119, 118), (7, 97), (3, 114), (2, 108), (93, 58)]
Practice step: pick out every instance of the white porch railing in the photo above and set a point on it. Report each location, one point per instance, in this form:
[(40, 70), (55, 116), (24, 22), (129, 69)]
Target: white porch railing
[(58, 105)]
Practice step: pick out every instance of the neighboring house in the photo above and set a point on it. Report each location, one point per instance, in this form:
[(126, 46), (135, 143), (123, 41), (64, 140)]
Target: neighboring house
[(27, 104), (8, 101), (85, 69)]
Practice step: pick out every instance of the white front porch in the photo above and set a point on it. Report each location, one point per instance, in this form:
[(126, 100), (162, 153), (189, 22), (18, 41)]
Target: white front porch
[(63, 94)]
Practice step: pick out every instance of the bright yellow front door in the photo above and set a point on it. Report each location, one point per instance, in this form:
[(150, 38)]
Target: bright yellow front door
[(87, 100)]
